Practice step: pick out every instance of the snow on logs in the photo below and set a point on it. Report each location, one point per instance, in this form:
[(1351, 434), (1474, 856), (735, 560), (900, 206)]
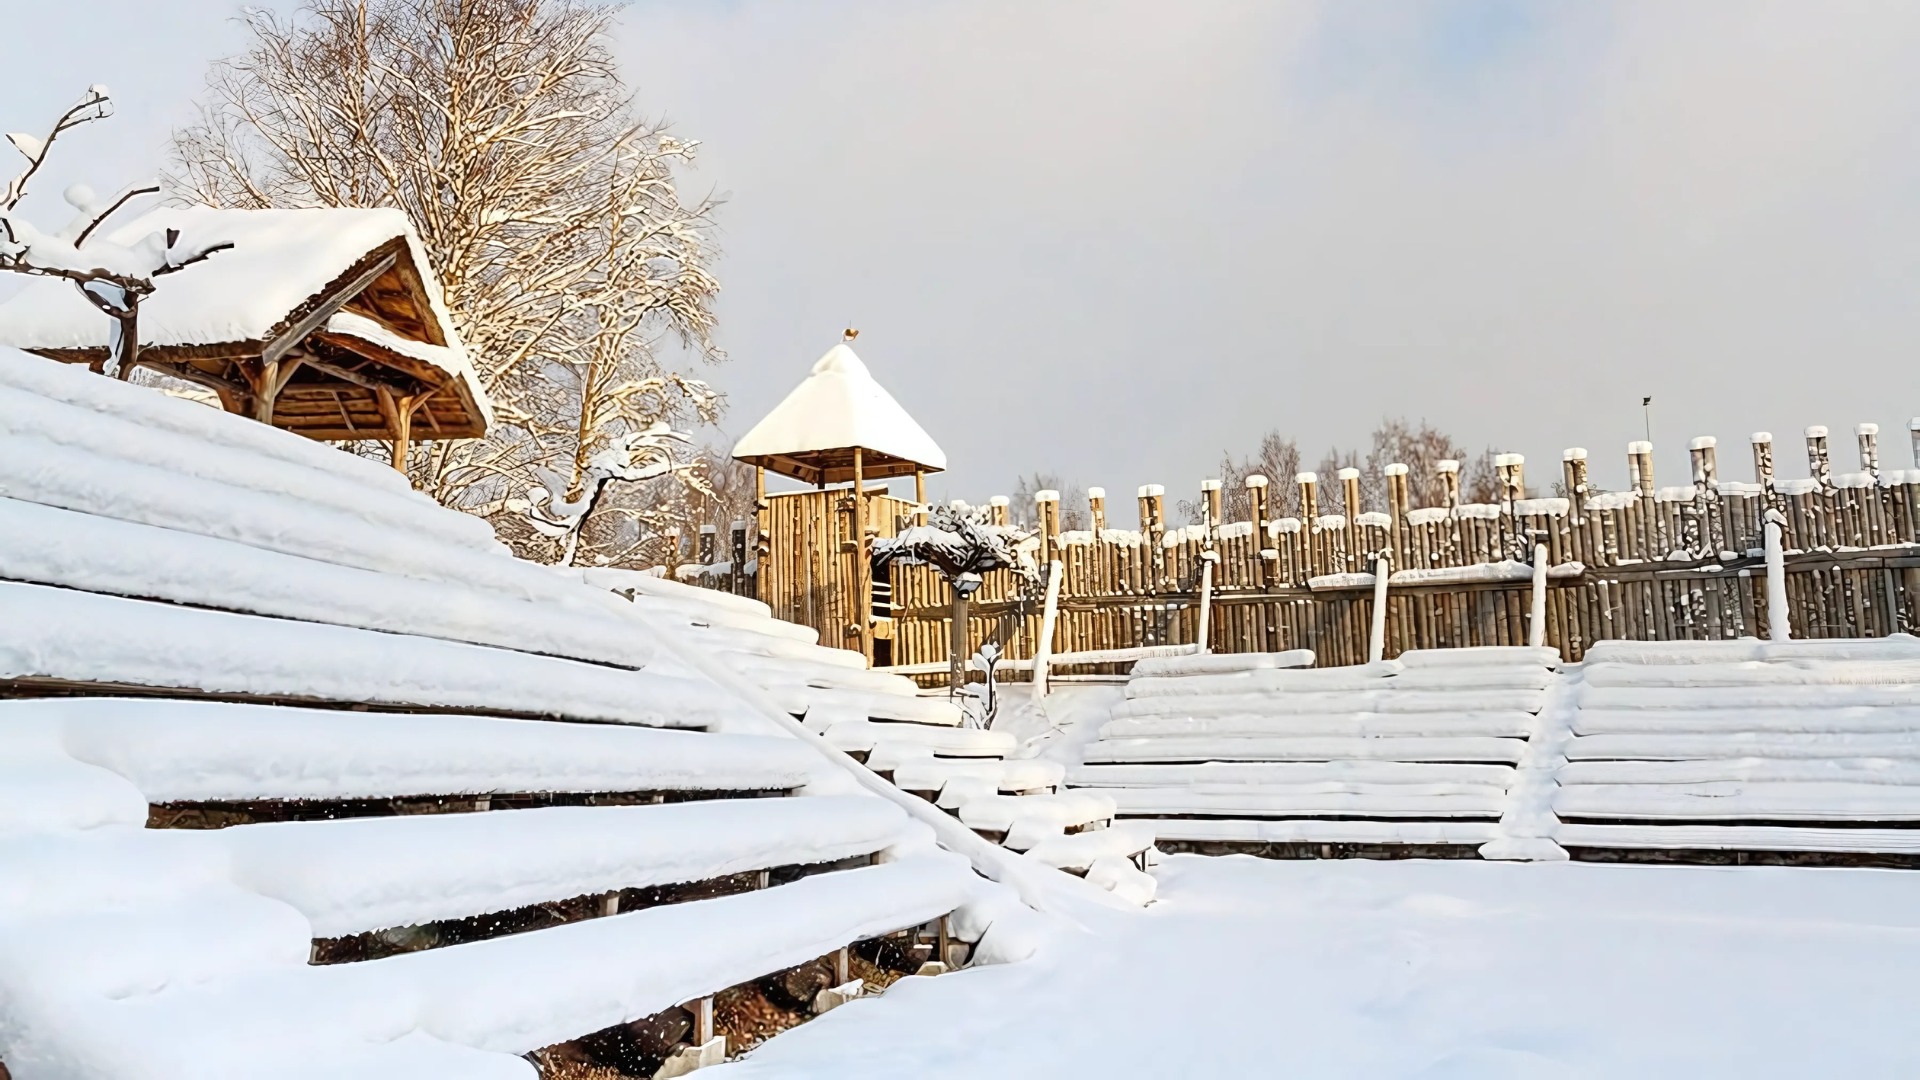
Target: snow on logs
[(1272, 751), (88, 638), (203, 751), (1733, 745), (358, 874)]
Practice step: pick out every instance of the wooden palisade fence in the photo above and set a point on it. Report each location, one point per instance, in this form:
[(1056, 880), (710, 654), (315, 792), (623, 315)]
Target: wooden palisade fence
[(1648, 563)]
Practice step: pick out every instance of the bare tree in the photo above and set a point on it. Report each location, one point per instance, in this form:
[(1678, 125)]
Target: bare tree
[(551, 214), (1075, 511), (114, 278), (1420, 449), (1278, 460), (1396, 440)]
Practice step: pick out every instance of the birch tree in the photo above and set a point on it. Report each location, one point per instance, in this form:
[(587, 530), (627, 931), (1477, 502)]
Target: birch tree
[(550, 211)]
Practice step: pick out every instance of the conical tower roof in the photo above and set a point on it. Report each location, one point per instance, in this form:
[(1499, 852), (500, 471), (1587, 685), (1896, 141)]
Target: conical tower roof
[(812, 434)]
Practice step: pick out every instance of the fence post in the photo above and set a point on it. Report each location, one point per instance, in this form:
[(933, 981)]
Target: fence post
[(1779, 622), (1448, 471), (1512, 489), (1397, 542), (1377, 634), (1350, 503), (1310, 521), (1646, 511), (1573, 469), (1043, 650), (1097, 510), (1537, 615), (1153, 528), (738, 575), (1203, 636), (1046, 507)]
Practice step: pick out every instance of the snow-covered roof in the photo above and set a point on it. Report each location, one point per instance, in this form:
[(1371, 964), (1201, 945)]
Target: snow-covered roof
[(812, 434), (285, 266)]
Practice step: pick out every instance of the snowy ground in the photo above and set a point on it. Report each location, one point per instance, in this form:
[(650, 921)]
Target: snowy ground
[(1424, 969)]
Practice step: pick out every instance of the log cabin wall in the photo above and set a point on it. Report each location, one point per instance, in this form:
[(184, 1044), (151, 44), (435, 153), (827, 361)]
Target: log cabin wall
[(1650, 563)]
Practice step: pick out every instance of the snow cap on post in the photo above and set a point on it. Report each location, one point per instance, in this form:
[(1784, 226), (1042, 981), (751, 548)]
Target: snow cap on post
[(1508, 459), (1395, 469), (1096, 493), (812, 434), (1148, 491), (1349, 474), (1866, 429), (1305, 478), (1209, 485), (1639, 446), (997, 500), (1767, 436), (1255, 480), (1703, 442), (1574, 453), (1446, 465), (1046, 495), (1816, 431)]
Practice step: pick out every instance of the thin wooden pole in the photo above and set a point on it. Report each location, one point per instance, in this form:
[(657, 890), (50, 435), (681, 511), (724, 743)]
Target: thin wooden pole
[(1779, 623), (1377, 633), (1537, 613), (1043, 649), (862, 610), (919, 497), (1203, 636)]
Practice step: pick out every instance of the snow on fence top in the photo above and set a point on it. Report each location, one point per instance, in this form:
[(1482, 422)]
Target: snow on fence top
[(338, 307), (812, 434)]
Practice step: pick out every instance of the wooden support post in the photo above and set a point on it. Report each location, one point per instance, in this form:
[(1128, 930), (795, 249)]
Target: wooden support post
[(843, 965), (1046, 510), (957, 644), (763, 543), (702, 1011), (1350, 499), (862, 607), (1203, 636), (1377, 633), (919, 501), (945, 942), (398, 412), (704, 555), (610, 904), (1537, 613), (1397, 504), (997, 509), (1779, 621), (1097, 510), (1049, 613)]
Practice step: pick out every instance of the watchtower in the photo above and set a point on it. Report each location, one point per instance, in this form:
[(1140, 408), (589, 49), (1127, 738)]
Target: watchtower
[(839, 426)]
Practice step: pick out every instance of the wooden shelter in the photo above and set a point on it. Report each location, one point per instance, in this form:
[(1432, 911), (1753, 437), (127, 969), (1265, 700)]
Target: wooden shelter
[(327, 322), (838, 426)]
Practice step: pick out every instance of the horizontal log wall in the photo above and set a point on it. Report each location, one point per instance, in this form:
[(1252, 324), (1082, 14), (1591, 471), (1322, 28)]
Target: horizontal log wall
[(1653, 564)]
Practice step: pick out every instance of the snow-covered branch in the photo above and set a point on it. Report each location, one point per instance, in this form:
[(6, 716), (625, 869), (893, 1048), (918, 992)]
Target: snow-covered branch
[(113, 276)]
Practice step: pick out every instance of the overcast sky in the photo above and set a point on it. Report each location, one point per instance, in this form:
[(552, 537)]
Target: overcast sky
[(1113, 240)]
